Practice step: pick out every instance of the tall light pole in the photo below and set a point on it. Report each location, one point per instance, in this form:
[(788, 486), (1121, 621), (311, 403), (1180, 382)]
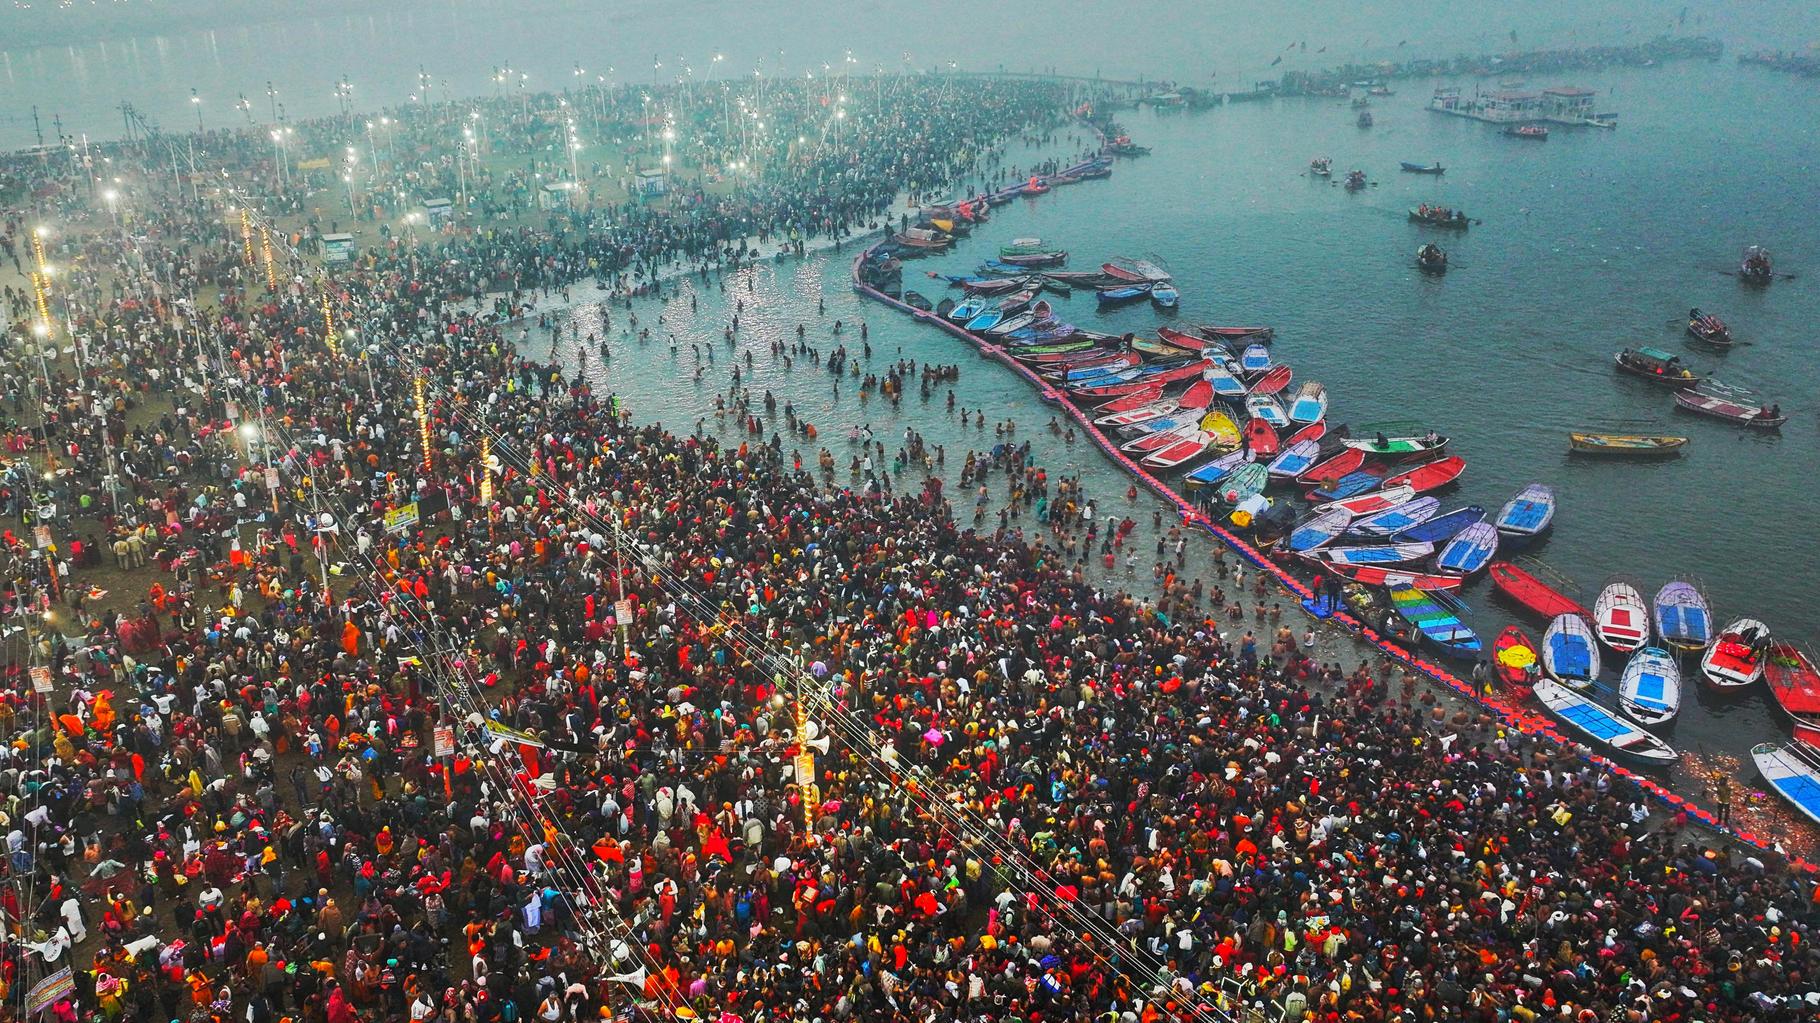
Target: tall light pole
[(196, 101)]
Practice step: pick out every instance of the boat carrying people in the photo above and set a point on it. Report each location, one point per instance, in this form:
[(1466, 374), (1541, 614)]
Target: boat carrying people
[(1440, 216)]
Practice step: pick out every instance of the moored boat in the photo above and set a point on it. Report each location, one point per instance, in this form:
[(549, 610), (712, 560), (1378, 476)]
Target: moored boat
[(1445, 526), (1260, 437), (1650, 689), (1389, 575), (1529, 590), (1532, 132), (1609, 731), (1570, 654), (1215, 471), (1244, 481), (1515, 660), (1233, 335), (1310, 403), (1377, 501), (1264, 407), (1422, 168), (1318, 530), (1437, 618), (1682, 617), (1294, 460), (1164, 296), (1376, 554), (1792, 769), (1736, 658), (1794, 682), (1273, 381), (1430, 475), (1621, 617), (1255, 360), (1396, 440), (1469, 550), (1397, 518), (1527, 515)]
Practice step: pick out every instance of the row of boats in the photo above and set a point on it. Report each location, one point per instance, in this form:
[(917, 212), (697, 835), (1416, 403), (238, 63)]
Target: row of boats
[(1364, 505)]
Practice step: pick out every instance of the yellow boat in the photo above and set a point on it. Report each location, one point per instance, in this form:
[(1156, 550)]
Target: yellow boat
[(1625, 445), (1223, 431)]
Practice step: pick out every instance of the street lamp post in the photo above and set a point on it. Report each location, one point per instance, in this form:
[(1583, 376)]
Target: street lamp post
[(196, 101)]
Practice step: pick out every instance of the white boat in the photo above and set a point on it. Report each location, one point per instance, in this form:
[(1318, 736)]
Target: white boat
[(1163, 438), (1650, 690), (1793, 770), (1310, 403), (1375, 554), (1398, 517), (1265, 407), (1318, 530), (1735, 659), (1294, 460), (1610, 731), (1621, 617), (1570, 654)]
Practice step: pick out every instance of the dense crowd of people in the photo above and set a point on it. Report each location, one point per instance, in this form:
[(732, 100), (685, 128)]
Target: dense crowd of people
[(629, 722)]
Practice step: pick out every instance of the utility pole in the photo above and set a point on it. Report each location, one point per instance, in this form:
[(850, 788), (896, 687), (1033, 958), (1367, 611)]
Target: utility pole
[(37, 128)]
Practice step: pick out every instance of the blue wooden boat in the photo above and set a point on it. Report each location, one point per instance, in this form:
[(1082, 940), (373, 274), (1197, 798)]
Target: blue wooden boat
[(1360, 481), (1423, 168), (1377, 554), (1436, 617), (1469, 550), (1318, 530), (1397, 518), (1216, 470), (1445, 526), (1650, 690), (1255, 360), (1165, 296), (994, 268), (968, 310), (1527, 515), (989, 318), (1310, 403), (1683, 619), (1119, 296), (1295, 460), (1793, 770), (1263, 406), (1570, 654), (1225, 382), (1610, 731)]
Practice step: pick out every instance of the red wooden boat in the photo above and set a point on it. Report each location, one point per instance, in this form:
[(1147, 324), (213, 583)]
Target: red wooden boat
[(1381, 575), (1535, 596), (1347, 460), (1318, 485), (1186, 342), (1128, 276), (1512, 656), (1254, 335), (1794, 683), (1313, 431), (1273, 381), (1118, 390), (1430, 475), (1134, 400), (1261, 439)]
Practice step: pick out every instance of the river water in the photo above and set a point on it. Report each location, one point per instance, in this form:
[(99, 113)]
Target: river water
[(1591, 241), (459, 44)]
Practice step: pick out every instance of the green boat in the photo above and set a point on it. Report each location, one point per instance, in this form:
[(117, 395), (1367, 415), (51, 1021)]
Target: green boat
[(1395, 439), (1155, 346), (1059, 348), (1245, 481)]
